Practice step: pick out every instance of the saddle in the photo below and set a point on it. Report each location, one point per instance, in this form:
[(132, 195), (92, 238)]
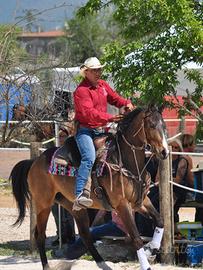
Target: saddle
[(70, 152)]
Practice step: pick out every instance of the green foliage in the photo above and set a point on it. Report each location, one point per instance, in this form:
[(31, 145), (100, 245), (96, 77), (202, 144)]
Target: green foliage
[(161, 35), (5, 187), (199, 133), (21, 249), (86, 36), (11, 249)]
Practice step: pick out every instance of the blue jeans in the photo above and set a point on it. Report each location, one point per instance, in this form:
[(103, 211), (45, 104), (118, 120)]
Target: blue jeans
[(84, 139), (78, 249)]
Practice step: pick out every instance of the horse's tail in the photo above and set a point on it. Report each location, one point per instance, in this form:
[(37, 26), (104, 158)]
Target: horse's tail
[(20, 188)]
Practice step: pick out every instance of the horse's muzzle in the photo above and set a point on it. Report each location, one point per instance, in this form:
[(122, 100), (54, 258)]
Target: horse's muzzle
[(164, 154)]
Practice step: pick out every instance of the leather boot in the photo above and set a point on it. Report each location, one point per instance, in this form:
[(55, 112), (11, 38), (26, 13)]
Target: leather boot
[(82, 201)]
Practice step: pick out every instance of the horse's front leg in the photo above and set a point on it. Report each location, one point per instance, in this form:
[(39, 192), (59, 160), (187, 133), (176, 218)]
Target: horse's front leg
[(153, 246), (125, 213)]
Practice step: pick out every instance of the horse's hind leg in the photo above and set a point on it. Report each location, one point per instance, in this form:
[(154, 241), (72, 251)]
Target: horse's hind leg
[(125, 213), (82, 220), (42, 218)]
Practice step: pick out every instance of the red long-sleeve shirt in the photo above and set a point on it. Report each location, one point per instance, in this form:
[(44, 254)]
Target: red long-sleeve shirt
[(91, 103)]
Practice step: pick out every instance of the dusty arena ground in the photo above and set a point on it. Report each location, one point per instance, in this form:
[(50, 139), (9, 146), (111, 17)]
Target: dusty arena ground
[(9, 234)]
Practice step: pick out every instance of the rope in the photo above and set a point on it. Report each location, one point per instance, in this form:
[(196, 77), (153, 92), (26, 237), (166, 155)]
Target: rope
[(175, 136), (110, 173), (50, 140), (184, 187), (120, 167), (19, 142), (26, 143)]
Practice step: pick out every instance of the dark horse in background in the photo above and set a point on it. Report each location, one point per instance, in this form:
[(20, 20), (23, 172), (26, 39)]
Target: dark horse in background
[(35, 128), (124, 182), (40, 130)]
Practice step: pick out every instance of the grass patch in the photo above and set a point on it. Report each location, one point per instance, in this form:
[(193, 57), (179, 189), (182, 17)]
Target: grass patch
[(11, 249), (87, 257), (20, 249), (5, 186)]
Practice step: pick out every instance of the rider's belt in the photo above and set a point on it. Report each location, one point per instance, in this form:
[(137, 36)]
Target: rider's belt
[(99, 129)]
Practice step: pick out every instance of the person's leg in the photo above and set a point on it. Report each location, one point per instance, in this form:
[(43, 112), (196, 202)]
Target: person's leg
[(87, 150), (88, 154), (78, 248), (68, 227), (107, 229)]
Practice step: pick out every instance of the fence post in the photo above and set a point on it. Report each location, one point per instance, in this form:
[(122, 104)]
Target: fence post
[(57, 143), (165, 175), (34, 153), (182, 124)]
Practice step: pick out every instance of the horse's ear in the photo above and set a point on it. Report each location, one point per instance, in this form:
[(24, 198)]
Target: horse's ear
[(161, 108)]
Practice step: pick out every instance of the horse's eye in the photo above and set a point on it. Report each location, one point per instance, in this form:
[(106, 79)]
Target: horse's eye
[(152, 126)]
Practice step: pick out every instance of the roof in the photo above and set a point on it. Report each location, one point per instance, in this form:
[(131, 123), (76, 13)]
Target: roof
[(48, 34)]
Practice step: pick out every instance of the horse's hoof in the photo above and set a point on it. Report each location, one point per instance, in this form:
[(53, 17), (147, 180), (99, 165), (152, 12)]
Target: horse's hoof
[(150, 252)]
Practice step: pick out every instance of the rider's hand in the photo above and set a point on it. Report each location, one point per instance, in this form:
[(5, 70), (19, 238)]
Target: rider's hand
[(116, 118), (129, 107)]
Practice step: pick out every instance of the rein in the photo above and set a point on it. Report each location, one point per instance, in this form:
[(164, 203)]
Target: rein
[(119, 167)]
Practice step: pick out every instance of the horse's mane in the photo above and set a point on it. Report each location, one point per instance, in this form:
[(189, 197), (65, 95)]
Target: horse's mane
[(124, 124)]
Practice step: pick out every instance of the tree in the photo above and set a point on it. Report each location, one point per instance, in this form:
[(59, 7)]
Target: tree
[(159, 37), (23, 89), (87, 36)]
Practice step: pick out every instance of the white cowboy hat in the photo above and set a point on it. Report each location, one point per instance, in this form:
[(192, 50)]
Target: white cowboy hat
[(90, 63), (199, 167)]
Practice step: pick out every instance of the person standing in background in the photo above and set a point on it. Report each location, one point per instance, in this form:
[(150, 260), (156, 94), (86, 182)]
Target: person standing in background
[(188, 144)]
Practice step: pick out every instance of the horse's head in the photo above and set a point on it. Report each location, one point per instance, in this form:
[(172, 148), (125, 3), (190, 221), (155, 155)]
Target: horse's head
[(145, 127), (155, 132), (19, 112)]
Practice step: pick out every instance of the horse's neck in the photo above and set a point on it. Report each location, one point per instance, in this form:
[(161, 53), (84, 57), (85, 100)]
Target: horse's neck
[(122, 155)]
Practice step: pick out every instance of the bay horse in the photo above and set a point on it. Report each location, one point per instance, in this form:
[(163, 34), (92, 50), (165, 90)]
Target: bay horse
[(124, 183)]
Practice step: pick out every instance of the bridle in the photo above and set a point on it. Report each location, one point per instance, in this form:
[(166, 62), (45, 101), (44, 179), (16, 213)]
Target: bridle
[(134, 148)]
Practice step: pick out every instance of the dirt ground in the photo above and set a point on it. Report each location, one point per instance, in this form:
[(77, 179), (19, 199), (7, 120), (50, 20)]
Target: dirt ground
[(8, 214)]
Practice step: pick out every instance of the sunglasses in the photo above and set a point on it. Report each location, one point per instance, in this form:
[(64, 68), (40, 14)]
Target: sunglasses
[(175, 147), (95, 70)]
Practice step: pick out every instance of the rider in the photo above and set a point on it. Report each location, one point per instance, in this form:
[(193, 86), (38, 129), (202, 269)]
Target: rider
[(90, 100)]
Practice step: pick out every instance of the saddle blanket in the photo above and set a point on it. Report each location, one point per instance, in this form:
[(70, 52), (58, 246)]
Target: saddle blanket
[(58, 169), (69, 170)]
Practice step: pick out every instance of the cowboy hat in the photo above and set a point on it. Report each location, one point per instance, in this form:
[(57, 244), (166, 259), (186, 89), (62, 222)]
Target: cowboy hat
[(199, 167), (90, 63)]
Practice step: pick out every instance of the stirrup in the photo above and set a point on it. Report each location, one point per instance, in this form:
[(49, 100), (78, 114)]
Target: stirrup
[(82, 202)]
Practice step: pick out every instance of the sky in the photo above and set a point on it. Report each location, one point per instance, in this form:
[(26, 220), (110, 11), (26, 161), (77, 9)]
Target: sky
[(50, 19)]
